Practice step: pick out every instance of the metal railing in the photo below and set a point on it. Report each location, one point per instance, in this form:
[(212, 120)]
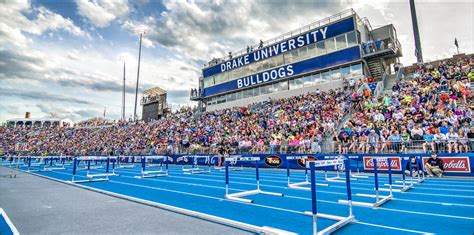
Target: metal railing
[(381, 45), (388, 147), (314, 25), (412, 146)]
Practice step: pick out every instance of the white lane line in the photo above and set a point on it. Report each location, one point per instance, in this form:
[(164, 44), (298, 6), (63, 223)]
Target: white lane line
[(393, 228), (9, 222), (325, 201), (322, 191), (321, 178), (431, 202), (281, 209)]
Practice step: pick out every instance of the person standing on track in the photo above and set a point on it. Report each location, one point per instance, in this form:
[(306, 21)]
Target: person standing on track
[(221, 151), (434, 166)]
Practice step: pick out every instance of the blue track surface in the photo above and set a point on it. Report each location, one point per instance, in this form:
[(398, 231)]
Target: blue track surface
[(4, 228), (444, 206)]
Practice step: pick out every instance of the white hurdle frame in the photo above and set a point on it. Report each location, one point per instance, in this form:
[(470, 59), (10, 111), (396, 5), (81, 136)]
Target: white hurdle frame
[(358, 174), (92, 177), (153, 173), (337, 178), (232, 166), (379, 200), (195, 169), (128, 165), (54, 166), (238, 196), (299, 185), (341, 221), (419, 179)]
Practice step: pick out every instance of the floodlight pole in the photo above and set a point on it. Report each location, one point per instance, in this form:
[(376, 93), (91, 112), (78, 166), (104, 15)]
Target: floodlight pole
[(138, 78), (123, 93)]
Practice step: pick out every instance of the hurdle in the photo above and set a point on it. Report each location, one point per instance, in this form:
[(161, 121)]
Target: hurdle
[(195, 169), (299, 185), (341, 221), (238, 196), (337, 178), (37, 163), (144, 173), (403, 187), (232, 166), (51, 166), (86, 166), (358, 174), (379, 200), (420, 172), (92, 177), (128, 165)]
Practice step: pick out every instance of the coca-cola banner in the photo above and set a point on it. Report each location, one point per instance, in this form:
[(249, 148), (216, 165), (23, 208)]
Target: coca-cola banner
[(382, 163), (454, 164)]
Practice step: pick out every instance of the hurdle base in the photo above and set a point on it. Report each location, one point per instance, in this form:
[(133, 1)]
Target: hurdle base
[(410, 181), (125, 166), (341, 221), (299, 185), (237, 196), (361, 176), (382, 200), (53, 168), (92, 176), (400, 188), (196, 170), (152, 174)]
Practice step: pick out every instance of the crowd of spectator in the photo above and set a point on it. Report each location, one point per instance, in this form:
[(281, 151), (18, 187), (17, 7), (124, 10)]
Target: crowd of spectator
[(431, 110), (296, 124)]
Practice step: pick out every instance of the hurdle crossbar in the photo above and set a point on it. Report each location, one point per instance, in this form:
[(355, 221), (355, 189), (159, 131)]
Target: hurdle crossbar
[(379, 199), (238, 196), (299, 185), (195, 169), (341, 221), (232, 166), (144, 173)]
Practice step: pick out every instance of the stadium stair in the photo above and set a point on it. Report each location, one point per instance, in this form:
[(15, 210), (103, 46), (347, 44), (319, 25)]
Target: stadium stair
[(376, 68)]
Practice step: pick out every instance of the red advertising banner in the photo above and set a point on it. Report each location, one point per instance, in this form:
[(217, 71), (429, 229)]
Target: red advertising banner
[(382, 163), (454, 164)]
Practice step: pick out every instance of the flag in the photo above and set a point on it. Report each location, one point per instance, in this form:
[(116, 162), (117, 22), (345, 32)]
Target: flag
[(456, 42)]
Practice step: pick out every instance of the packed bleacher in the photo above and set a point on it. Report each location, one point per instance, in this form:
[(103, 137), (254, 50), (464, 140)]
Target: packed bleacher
[(429, 111)]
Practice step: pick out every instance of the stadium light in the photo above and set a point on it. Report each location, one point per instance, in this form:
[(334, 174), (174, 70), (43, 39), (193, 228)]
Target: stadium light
[(139, 30), (122, 59)]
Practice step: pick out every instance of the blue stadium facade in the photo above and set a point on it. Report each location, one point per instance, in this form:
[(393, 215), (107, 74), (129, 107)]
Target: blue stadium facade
[(316, 56)]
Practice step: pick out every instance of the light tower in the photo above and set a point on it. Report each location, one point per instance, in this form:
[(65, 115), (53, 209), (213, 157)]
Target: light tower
[(416, 33)]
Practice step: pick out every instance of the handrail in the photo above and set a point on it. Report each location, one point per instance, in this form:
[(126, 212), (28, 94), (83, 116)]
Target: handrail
[(287, 35), (438, 146)]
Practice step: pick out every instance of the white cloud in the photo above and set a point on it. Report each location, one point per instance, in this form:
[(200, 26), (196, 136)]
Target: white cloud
[(102, 12), (14, 22)]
